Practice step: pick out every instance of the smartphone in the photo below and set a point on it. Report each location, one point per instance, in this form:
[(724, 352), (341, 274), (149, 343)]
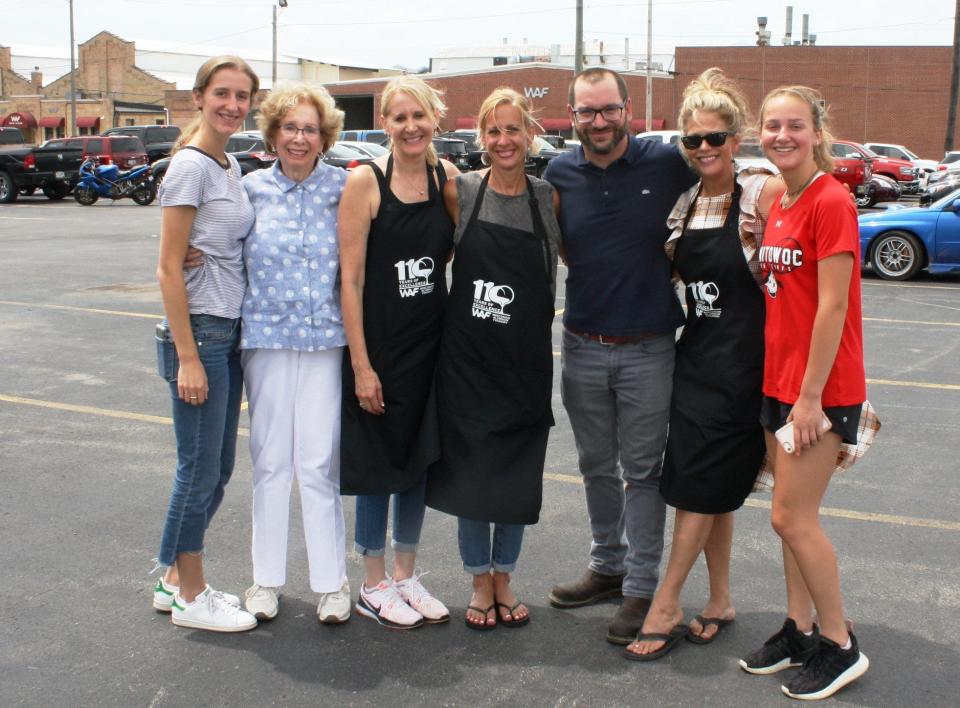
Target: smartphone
[(785, 434)]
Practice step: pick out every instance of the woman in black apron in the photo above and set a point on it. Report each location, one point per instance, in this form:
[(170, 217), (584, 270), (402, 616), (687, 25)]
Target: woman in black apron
[(395, 239), (715, 445), (495, 372)]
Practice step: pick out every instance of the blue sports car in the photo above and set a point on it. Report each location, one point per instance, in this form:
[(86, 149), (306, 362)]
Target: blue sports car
[(901, 242)]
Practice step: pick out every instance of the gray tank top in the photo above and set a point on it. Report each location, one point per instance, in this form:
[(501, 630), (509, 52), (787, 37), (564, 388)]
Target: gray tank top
[(510, 211)]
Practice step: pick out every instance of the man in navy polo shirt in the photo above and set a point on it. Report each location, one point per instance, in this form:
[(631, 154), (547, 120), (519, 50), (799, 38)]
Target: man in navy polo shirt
[(620, 321)]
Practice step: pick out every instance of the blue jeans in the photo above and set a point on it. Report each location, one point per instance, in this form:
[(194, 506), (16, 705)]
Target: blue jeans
[(206, 435), (475, 548), (370, 532), (618, 400)]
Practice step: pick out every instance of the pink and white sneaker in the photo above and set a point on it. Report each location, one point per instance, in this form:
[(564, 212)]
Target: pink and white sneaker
[(420, 599), (384, 604)]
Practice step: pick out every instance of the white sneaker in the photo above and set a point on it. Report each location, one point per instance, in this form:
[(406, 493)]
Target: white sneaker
[(163, 593), (262, 602), (384, 604), (334, 607), (420, 599), (211, 611)]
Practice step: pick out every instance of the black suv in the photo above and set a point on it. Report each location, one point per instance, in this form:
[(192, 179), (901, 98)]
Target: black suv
[(157, 139), (453, 150)]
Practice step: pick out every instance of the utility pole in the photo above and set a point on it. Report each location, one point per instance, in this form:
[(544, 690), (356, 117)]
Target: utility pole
[(578, 44), (281, 3), (954, 82), (648, 114), (73, 79)]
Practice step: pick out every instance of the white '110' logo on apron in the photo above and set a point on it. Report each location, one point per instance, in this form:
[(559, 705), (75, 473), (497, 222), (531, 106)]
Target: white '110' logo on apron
[(704, 295), (490, 301), (413, 276)]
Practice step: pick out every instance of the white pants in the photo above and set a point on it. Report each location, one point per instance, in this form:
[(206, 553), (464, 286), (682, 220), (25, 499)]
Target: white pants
[(295, 430)]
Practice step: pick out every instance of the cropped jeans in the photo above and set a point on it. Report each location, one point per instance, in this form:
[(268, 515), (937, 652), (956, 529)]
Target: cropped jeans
[(206, 434), (370, 533), (476, 551)]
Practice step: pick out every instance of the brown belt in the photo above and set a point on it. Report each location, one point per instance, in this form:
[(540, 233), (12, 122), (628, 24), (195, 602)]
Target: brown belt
[(611, 339)]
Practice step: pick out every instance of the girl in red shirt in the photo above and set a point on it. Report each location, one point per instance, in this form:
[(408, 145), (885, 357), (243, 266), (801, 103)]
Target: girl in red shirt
[(814, 379)]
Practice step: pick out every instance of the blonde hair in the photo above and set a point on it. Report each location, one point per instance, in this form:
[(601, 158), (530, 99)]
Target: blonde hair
[(714, 92), (504, 96), (283, 100), (204, 76), (429, 98), (818, 112)]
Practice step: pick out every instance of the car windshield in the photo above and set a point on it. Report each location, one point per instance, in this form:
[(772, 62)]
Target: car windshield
[(371, 149), (11, 137), (450, 146), (947, 200), (950, 157), (342, 151), (163, 135), (242, 144), (542, 144), (750, 149), (911, 155), (869, 152)]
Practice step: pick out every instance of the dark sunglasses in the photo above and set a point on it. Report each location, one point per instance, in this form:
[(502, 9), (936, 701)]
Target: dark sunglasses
[(692, 142)]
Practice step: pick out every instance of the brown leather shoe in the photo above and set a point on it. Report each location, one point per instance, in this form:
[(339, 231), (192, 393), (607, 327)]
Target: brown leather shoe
[(628, 620), (591, 588)]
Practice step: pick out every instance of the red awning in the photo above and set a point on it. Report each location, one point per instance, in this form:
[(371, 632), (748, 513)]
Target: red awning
[(639, 124), (22, 119), (51, 122), (466, 123), (555, 123), (88, 121)]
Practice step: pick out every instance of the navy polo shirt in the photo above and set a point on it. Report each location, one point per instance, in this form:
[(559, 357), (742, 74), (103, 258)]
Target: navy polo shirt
[(614, 224)]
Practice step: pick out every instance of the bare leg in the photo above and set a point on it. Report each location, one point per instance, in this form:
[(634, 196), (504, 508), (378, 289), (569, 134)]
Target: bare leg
[(717, 552), (504, 595), (190, 567), (483, 594), (404, 563), (797, 494), (690, 533), (375, 569)]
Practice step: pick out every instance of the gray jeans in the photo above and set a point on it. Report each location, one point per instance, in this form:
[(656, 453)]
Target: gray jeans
[(618, 401)]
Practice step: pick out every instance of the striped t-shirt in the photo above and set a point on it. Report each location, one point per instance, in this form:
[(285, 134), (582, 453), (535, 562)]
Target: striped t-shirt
[(223, 219)]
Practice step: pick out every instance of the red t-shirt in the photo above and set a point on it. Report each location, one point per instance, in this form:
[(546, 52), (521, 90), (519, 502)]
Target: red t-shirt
[(822, 223)]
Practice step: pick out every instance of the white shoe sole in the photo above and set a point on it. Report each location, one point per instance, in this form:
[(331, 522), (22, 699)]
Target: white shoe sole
[(781, 665), (263, 614), (333, 619), (193, 624), (363, 611), (847, 677), (162, 607)]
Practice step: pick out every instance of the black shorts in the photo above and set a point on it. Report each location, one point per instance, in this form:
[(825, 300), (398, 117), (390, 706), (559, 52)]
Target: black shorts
[(845, 420)]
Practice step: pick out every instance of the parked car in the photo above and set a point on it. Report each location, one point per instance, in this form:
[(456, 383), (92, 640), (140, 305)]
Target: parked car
[(558, 141), (948, 183), (453, 150), (55, 170), (158, 140), (247, 147), (881, 189), (948, 166), (902, 171), (750, 154), (11, 137), (469, 137), (923, 167), (365, 136), (373, 150), (663, 136), (852, 168), (345, 157), (898, 244), (120, 150), (540, 161)]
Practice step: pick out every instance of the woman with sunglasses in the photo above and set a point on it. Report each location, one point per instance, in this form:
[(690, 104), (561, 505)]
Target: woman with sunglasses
[(715, 446)]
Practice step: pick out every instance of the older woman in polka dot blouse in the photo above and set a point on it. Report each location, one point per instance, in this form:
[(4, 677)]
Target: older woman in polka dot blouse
[(293, 344)]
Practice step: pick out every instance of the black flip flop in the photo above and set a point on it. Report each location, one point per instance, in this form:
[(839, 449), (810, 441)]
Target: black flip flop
[(485, 627), (670, 642), (706, 622), (514, 622)]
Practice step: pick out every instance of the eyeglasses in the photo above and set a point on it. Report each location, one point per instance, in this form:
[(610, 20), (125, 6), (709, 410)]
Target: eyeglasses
[(610, 113), (692, 142), (289, 130)]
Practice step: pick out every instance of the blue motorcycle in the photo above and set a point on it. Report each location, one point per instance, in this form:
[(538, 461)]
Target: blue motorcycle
[(108, 181)]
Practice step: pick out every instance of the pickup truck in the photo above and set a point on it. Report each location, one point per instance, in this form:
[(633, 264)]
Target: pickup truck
[(158, 140), (23, 170), (898, 170)]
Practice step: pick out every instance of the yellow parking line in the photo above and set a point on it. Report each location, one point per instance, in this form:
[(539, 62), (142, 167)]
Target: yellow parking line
[(71, 308), (825, 511), (912, 322), (914, 384), (909, 285), (93, 410)]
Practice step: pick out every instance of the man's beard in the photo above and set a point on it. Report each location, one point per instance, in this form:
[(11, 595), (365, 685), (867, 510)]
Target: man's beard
[(619, 130)]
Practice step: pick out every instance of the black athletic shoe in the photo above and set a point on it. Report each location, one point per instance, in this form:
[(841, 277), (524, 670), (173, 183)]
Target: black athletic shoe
[(787, 648), (827, 671)]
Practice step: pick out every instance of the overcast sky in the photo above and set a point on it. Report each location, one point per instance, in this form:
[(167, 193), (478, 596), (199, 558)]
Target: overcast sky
[(408, 32)]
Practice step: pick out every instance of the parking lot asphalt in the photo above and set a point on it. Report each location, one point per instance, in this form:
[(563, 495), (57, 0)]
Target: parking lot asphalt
[(87, 457)]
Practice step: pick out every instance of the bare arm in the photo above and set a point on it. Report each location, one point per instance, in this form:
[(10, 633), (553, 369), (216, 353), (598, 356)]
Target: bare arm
[(358, 207), (772, 188), (833, 276), (175, 226)]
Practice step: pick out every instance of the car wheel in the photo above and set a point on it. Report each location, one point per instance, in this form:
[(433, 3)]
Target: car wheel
[(896, 255), (55, 191), (8, 190), (85, 195), (867, 200)]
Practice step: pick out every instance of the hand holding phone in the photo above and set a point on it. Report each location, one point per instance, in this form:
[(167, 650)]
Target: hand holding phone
[(785, 434)]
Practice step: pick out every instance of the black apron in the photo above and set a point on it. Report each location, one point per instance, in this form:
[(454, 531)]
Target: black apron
[(715, 445), (495, 374), (405, 290)]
